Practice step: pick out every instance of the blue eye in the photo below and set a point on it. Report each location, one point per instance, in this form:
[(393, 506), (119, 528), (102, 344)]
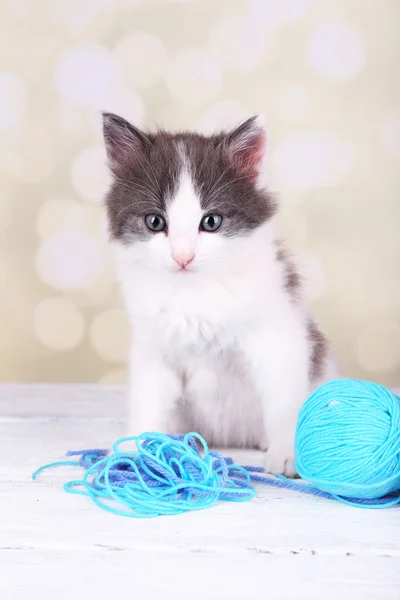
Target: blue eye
[(155, 223), (211, 223)]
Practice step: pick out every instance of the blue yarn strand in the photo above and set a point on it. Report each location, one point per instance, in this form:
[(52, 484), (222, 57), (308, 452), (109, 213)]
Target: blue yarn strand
[(57, 463)]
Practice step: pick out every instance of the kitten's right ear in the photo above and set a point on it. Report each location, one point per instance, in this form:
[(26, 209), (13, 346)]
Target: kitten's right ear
[(122, 140), (247, 147)]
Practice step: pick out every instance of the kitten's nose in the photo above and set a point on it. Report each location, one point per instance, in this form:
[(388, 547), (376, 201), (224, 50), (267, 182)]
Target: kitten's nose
[(183, 259)]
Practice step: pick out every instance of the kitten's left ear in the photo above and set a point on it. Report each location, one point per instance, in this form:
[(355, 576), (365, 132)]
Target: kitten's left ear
[(124, 142), (247, 148)]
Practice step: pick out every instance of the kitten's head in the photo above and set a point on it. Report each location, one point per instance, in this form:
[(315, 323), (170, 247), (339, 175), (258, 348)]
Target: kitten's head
[(181, 202)]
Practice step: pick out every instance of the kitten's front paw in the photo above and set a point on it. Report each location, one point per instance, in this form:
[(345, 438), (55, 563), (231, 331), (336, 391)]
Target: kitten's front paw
[(279, 458)]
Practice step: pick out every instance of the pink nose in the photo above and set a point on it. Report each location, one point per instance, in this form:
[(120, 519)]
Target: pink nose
[(183, 260)]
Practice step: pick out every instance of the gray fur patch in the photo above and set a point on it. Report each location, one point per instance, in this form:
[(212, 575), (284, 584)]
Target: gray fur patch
[(319, 350)]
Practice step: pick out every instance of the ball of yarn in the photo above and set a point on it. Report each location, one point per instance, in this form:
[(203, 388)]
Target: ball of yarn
[(348, 439)]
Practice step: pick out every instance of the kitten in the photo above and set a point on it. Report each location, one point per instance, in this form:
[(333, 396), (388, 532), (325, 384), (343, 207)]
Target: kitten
[(223, 343)]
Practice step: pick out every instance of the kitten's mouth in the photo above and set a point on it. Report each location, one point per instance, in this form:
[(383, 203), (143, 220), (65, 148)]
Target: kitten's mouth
[(183, 269)]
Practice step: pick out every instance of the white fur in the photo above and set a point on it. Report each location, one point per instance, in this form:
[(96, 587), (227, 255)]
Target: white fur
[(220, 347)]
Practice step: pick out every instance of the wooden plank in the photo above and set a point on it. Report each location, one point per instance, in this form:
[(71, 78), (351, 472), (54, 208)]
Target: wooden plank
[(112, 572), (281, 544), (276, 521), (72, 400)]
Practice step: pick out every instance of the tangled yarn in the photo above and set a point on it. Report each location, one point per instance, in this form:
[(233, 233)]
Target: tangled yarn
[(165, 475)]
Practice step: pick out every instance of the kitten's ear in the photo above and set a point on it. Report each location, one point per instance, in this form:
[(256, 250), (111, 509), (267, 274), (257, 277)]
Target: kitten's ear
[(122, 140), (247, 147)]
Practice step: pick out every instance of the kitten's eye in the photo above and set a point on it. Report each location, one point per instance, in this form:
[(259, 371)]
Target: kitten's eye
[(211, 223), (155, 223)]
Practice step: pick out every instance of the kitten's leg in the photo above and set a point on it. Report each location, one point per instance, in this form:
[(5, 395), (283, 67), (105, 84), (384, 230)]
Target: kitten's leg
[(280, 361), (155, 389)]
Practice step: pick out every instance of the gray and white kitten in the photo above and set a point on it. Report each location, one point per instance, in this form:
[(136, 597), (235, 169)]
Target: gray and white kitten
[(223, 342)]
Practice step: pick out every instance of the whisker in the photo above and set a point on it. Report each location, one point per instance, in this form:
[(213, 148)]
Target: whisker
[(134, 186), (210, 191), (227, 184)]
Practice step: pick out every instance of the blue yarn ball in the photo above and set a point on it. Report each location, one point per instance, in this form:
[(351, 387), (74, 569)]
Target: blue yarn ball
[(348, 439)]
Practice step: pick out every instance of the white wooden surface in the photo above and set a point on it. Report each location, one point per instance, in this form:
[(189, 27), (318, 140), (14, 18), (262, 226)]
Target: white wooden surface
[(281, 545)]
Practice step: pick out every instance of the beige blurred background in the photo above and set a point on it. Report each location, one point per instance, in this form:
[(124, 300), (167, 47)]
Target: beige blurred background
[(324, 72)]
